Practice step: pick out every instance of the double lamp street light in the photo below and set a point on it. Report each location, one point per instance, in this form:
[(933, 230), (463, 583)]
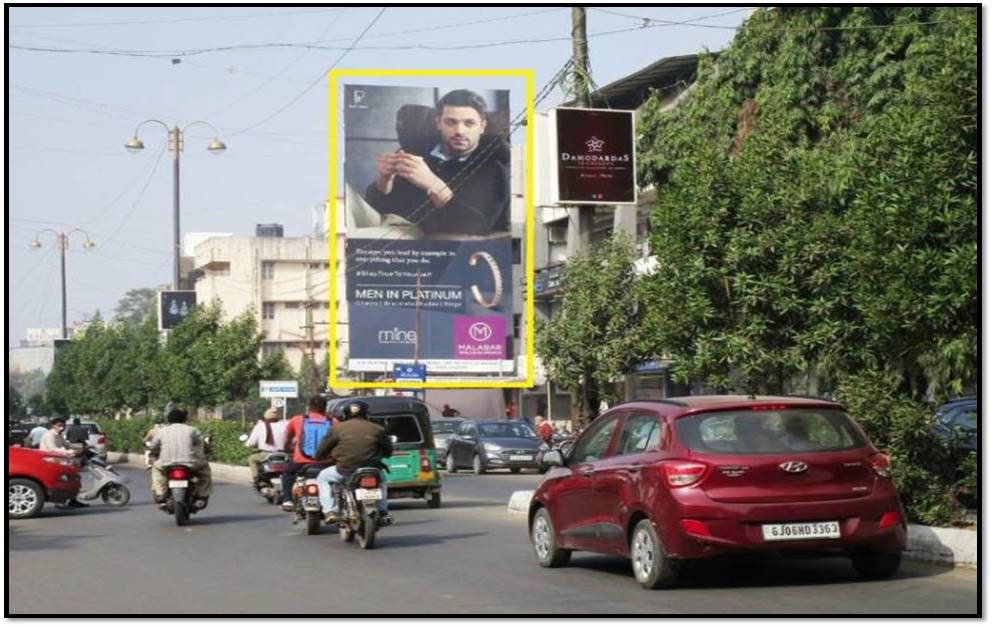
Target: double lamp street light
[(62, 242), (216, 147)]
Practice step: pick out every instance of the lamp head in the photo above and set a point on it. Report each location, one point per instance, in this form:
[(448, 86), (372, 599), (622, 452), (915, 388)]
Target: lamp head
[(216, 147), (134, 145)]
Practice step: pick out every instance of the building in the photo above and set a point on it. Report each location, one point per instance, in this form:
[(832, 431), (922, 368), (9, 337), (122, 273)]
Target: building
[(284, 280), (562, 231)]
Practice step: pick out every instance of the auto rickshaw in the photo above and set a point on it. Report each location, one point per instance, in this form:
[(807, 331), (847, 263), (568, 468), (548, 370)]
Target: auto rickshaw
[(412, 470)]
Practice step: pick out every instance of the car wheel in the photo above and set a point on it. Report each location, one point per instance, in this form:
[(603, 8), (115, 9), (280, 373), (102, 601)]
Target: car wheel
[(652, 568), (477, 464), (876, 564), (515, 471), (25, 498), (546, 549), (450, 464)]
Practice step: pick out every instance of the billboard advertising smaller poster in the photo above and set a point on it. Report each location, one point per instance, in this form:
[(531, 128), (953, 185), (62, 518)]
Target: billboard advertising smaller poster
[(175, 306), (595, 156)]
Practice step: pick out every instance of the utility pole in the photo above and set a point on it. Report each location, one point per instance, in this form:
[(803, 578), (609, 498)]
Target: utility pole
[(580, 58), (62, 243)]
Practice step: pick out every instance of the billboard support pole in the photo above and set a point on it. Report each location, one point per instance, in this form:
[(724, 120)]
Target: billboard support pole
[(417, 316)]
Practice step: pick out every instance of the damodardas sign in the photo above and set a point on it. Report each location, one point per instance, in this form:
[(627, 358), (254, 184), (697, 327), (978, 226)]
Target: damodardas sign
[(595, 156)]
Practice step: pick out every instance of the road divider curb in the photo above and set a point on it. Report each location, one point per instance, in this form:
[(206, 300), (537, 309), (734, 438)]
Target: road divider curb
[(937, 545), (519, 501), (226, 473)]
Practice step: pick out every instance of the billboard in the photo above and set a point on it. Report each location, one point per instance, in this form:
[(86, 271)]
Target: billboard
[(175, 306), (428, 261), (594, 156)]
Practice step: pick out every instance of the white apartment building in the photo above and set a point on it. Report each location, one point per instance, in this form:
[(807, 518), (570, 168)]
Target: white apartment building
[(284, 280)]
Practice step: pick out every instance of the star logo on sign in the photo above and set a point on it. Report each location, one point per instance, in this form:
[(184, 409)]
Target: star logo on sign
[(595, 144)]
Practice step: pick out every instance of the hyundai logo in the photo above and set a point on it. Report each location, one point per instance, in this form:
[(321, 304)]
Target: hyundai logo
[(793, 466)]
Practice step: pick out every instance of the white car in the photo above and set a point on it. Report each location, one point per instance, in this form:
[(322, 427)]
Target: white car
[(95, 437)]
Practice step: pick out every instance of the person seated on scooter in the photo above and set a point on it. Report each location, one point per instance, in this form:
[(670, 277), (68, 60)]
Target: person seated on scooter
[(54, 441), (179, 443), (268, 436), (303, 433), (353, 444)]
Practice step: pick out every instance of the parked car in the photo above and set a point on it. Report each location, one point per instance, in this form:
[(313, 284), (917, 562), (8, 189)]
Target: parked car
[(666, 482), (34, 477), (489, 444), (443, 432), (957, 423), (412, 467)]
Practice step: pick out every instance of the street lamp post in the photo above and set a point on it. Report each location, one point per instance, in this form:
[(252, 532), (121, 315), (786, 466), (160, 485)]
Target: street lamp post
[(62, 241), (216, 147)]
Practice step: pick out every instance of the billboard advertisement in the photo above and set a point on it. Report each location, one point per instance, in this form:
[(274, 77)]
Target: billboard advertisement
[(594, 156), (175, 306), (428, 244)]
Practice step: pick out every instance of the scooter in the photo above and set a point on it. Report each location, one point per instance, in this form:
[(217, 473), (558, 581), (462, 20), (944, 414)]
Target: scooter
[(99, 479), (268, 484)]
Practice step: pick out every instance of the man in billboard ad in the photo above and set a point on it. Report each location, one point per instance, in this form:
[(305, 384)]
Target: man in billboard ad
[(595, 156), (428, 252)]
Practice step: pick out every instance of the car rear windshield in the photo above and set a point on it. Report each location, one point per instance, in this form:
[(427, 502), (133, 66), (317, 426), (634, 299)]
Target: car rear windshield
[(445, 426), (405, 428), (506, 430), (779, 431)]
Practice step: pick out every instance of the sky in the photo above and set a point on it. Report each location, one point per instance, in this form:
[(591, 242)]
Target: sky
[(80, 79)]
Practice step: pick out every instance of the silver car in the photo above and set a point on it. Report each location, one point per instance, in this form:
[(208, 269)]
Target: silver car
[(443, 431)]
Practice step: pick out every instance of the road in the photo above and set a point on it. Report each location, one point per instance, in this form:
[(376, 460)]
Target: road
[(242, 555)]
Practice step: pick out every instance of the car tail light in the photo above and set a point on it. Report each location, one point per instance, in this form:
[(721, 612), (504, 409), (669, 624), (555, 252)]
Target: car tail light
[(369, 481), (682, 474), (696, 527), (177, 473), (312, 489), (889, 519), (61, 461), (425, 462), (880, 464), (768, 407), (101, 439)]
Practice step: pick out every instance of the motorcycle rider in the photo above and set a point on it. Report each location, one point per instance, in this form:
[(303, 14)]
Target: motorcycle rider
[(303, 433), (268, 436), (353, 444), (178, 443)]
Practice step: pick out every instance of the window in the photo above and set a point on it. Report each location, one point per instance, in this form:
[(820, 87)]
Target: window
[(291, 305), (515, 251), (513, 429), (319, 265), (405, 428), (641, 433), (268, 269), (594, 443), (268, 311), (769, 431)]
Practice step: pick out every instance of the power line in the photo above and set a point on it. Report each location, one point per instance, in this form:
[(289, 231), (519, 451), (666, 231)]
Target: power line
[(690, 22), (319, 78), (170, 20), (141, 194)]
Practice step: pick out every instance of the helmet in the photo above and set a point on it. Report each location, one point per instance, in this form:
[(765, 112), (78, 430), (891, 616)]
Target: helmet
[(355, 409)]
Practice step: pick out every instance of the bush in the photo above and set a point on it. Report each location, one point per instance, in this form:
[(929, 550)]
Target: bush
[(926, 471), (125, 436)]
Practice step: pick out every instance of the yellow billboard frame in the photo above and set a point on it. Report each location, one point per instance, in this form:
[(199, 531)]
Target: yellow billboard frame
[(333, 380)]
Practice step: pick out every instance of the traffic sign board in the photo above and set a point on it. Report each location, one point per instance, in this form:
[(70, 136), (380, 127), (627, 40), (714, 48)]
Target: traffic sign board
[(410, 372), (278, 389)]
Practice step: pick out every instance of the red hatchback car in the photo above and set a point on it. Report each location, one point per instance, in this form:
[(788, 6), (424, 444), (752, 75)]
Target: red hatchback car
[(667, 481), (34, 477)]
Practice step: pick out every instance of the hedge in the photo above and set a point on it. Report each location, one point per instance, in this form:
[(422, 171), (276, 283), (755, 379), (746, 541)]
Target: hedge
[(125, 436)]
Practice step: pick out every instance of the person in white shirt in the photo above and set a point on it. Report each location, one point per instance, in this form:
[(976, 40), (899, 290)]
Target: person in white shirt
[(268, 436)]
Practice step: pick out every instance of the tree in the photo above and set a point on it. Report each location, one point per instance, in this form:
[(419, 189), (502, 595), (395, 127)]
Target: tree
[(137, 305), (817, 209), (15, 404), (593, 337)]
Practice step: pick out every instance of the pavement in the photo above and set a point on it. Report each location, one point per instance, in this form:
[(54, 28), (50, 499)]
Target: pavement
[(242, 555)]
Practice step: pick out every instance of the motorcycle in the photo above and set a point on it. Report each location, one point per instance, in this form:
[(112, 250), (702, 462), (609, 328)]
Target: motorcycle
[(357, 497), (99, 479), (268, 485), (181, 500), (306, 504)]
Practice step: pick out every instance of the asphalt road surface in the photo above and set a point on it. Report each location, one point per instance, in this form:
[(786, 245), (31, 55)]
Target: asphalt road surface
[(242, 555)]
